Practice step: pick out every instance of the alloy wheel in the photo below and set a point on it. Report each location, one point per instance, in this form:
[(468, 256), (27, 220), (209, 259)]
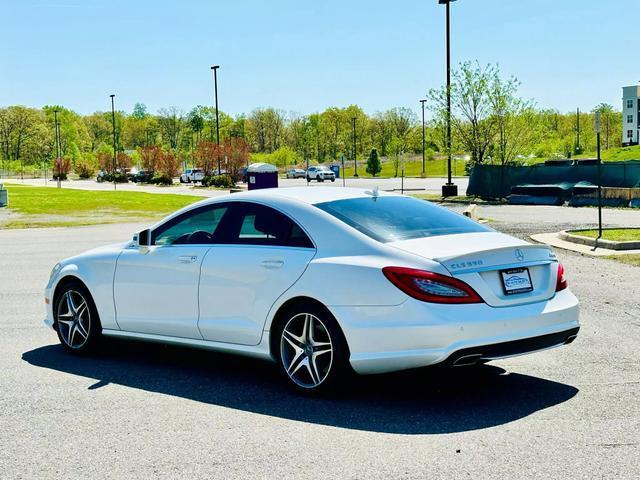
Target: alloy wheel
[(74, 319), (306, 350)]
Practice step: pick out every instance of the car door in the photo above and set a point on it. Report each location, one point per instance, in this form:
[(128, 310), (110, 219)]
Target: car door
[(156, 287), (263, 253)]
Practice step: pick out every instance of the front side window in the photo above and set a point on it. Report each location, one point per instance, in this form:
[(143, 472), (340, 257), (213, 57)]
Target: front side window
[(629, 118), (629, 133), (394, 218), (195, 227), (629, 103)]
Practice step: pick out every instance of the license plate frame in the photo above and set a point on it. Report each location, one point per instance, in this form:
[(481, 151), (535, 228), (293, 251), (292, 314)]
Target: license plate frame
[(516, 281)]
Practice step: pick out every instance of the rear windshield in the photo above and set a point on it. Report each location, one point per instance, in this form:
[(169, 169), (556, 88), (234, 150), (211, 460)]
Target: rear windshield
[(389, 219)]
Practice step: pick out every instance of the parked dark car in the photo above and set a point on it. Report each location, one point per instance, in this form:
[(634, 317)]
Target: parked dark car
[(142, 176)]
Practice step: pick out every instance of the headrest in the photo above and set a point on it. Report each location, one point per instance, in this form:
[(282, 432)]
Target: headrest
[(268, 223)]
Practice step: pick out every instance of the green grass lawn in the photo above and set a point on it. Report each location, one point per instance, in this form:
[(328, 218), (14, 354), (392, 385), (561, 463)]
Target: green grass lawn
[(617, 234), (630, 259), (51, 207), (412, 168), (616, 154)]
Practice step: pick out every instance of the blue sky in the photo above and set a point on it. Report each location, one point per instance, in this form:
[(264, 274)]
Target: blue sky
[(305, 56)]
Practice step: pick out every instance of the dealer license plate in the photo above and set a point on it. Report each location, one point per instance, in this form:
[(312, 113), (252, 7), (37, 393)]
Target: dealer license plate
[(516, 280)]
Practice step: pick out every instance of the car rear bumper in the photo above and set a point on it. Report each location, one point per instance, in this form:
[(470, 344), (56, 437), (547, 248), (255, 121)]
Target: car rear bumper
[(485, 353), (417, 334)]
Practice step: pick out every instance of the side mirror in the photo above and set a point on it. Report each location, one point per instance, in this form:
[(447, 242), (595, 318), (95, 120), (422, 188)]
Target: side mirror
[(142, 239)]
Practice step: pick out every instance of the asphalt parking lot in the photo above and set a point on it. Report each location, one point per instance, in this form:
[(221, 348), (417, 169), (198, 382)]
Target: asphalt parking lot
[(150, 411), (423, 185)]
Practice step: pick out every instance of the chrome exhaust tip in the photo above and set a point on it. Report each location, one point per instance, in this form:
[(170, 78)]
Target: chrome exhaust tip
[(467, 360)]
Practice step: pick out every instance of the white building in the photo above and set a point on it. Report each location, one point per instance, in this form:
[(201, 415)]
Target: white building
[(630, 115)]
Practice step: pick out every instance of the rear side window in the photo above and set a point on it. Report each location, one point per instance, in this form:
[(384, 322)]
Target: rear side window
[(390, 219), (254, 224)]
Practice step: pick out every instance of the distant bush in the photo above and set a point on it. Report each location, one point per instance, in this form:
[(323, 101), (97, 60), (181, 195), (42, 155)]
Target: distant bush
[(161, 179), (220, 181), (118, 177), (61, 168), (85, 168)]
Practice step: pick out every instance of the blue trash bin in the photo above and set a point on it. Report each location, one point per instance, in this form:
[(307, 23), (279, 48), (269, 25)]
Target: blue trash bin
[(335, 169), (262, 175)]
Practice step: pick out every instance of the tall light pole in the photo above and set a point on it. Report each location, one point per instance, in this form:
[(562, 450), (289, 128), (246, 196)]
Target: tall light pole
[(355, 159), (449, 189), (215, 89), (57, 133), (113, 125), (424, 163)]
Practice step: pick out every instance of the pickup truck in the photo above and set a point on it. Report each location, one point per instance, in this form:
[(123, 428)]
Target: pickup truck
[(192, 175)]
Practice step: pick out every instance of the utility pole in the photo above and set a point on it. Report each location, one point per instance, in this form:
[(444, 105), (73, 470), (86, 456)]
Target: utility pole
[(215, 89), (402, 180), (113, 125), (57, 133), (307, 172), (577, 131), (424, 162), (599, 176), (449, 189)]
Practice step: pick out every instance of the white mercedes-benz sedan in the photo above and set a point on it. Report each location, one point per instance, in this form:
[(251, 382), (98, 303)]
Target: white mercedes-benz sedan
[(324, 281)]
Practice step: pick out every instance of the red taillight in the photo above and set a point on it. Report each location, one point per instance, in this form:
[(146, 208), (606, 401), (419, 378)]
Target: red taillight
[(431, 287), (561, 282)]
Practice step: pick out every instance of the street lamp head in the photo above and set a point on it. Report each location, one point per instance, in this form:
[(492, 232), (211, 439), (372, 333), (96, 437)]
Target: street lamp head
[(423, 100), (443, 2), (215, 67), (112, 95)]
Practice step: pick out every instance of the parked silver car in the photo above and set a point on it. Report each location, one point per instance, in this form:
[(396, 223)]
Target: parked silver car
[(295, 173)]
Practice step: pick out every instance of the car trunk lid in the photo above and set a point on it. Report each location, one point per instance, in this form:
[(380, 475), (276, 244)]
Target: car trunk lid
[(479, 258)]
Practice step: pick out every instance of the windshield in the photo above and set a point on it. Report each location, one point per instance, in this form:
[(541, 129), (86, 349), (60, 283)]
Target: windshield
[(393, 218)]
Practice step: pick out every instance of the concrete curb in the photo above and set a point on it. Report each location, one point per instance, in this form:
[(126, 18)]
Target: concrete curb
[(554, 240), (594, 242)]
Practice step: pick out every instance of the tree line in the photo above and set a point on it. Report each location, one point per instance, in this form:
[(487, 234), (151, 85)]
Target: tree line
[(490, 122)]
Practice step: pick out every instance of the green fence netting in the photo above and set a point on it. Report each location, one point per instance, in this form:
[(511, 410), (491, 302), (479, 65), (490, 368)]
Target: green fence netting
[(495, 181)]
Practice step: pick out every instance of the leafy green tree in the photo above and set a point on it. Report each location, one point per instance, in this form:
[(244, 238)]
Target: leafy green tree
[(374, 166), (171, 121), (516, 121), (139, 111), (73, 154), (98, 127)]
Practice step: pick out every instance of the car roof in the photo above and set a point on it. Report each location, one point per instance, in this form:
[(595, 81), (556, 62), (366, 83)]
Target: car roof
[(308, 195)]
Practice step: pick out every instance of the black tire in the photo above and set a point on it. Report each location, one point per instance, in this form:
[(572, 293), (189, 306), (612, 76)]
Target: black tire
[(85, 321), (320, 179), (333, 179), (330, 370), (308, 178)]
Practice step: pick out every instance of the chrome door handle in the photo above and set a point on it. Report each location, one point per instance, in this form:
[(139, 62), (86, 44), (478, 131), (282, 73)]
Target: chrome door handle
[(187, 258), (272, 264)]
